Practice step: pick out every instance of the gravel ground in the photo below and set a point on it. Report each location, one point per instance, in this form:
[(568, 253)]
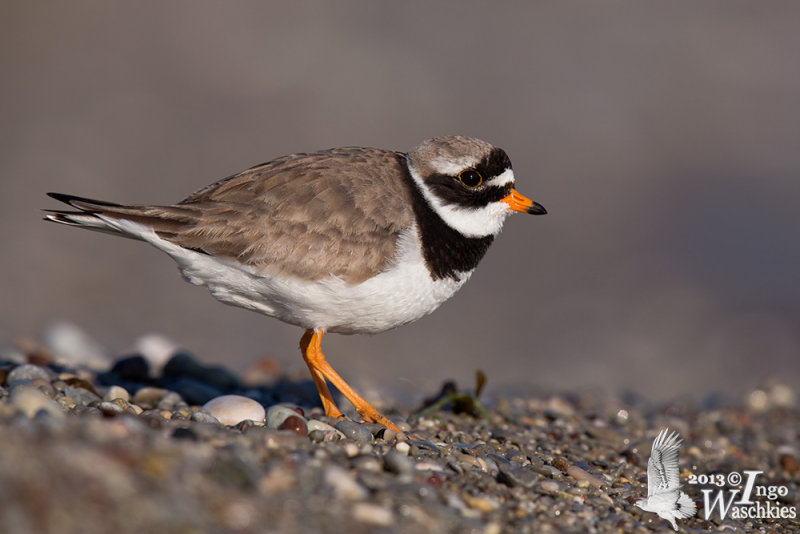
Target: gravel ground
[(127, 447)]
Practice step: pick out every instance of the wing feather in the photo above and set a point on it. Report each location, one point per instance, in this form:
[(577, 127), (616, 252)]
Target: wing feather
[(663, 474), (309, 216)]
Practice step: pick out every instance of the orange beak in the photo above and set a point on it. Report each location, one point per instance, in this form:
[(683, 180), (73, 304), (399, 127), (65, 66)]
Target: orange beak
[(518, 202)]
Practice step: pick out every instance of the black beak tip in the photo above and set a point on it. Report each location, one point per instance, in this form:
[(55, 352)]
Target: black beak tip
[(536, 209)]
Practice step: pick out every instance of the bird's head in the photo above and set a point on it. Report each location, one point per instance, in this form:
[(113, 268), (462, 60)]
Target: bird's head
[(468, 183)]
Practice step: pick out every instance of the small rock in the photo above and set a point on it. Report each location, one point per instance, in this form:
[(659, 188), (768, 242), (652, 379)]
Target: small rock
[(194, 392), (354, 431), (579, 474), (514, 475), (366, 463), (70, 343), (233, 409), (343, 484), (170, 401), (202, 416), (277, 414), (29, 400), (29, 372), (116, 392), (156, 349), (319, 432), (561, 464), (316, 424), (550, 486), (318, 436), (397, 462), (549, 471), (296, 424), (81, 395), (373, 514), (149, 397), (184, 365), (789, 463), (279, 439), (110, 409), (482, 503), (133, 368)]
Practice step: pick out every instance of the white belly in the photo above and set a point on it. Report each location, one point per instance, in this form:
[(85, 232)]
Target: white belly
[(400, 294)]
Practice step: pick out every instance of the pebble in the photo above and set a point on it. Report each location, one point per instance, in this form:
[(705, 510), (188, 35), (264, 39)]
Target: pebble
[(29, 372), (343, 484), (148, 397), (233, 409), (514, 475), (170, 401), (373, 514), (184, 365), (278, 413), (296, 424), (550, 486), (133, 368), (397, 462), (110, 408), (156, 349), (354, 431), (71, 344), (202, 416), (116, 392), (580, 474), (81, 395), (29, 400), (459, 474), (561, 464), (550, 471), (789, 463), (194, 391), (319, 431)]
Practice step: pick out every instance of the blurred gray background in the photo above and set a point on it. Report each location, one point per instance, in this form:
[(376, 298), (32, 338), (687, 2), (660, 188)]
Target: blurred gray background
[(664, 139)]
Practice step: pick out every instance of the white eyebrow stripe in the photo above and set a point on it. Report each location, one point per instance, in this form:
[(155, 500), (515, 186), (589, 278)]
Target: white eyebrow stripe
[(452, 167), (504, 178)]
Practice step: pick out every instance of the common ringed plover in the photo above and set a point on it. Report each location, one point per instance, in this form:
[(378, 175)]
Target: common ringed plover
[(349, 240)]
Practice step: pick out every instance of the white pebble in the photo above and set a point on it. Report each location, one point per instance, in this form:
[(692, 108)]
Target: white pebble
[(156, 349), (233, 409), (343, 484), (72, 344), (373, 514)]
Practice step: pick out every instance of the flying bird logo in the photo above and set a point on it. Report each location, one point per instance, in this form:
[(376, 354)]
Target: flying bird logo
[(664, 495)]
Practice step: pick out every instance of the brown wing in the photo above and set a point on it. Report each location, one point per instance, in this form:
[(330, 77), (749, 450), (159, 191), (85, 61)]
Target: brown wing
[(309, 216)]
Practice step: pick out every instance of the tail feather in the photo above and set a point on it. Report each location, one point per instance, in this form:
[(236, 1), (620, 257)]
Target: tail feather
[(103, 216), (685, 506), (82, 203)]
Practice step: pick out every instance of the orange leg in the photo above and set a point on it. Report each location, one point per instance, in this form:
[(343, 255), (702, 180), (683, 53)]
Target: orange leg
[(321, 369), (310, 346)]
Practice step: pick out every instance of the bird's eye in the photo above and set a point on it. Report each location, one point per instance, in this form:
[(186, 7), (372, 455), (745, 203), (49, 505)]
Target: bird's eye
[(470, 178)]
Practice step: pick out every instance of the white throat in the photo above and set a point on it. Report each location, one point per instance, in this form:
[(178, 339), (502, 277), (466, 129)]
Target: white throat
[(468, 221)]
